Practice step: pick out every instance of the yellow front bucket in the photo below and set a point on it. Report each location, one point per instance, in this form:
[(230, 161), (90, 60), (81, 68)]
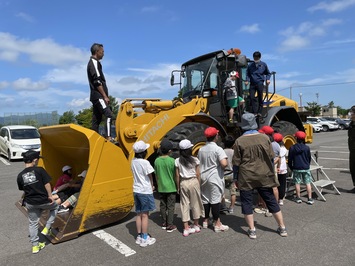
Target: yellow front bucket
[(106, 195)]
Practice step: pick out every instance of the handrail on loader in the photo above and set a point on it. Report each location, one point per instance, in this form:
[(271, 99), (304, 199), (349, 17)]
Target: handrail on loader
[(106, 195)]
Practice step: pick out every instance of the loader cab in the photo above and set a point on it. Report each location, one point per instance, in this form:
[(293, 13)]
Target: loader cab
[(205, 75)]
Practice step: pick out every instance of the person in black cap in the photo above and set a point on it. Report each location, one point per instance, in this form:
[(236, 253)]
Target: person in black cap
[(253, 154), (35, 182), (164, 167), (351, 144)]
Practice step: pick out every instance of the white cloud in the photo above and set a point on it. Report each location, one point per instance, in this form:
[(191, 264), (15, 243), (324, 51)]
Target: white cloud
[(295, 42), (4, 84), (73, 74), (43, 51), (25, 17), (305, 33), (29, 85), (332, 6), (250, 28), (150, 9)]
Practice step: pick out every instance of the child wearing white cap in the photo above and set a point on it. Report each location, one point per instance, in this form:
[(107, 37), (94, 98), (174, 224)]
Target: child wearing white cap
[(143, 192), (188, 183), (64, 178)]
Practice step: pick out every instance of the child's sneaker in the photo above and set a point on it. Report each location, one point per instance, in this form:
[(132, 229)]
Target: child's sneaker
[(297, 200), (221, 228), (47, 232), (310, 201), (252, 233), (163, 226), (62, 209), (268, 213), (139, 240), (259, 210), (231, 210), (171, 228), (197, 228), (188, 231), (282, 231), (36, 249), (147, 242), (205, 225), (281, 202)]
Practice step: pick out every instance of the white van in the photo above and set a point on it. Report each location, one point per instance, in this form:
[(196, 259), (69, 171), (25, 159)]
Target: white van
[(14, 140)]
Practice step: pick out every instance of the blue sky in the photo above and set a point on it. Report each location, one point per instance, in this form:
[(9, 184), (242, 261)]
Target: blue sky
[(44, 47)]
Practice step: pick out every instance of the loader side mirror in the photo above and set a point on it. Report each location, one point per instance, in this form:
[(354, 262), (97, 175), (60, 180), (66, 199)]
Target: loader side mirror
[(172, 79), (242, 61)]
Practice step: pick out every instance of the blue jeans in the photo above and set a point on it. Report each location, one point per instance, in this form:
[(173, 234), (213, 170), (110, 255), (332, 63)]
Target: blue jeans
[(34, 214)]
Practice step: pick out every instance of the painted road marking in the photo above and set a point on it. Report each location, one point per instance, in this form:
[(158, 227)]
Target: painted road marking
[(114, 243), (4, 161), (335, 159), (334, 151), (338, 169), (336, 147)]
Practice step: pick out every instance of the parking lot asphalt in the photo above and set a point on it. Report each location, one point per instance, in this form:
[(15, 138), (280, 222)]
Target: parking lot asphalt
[(322, 234)]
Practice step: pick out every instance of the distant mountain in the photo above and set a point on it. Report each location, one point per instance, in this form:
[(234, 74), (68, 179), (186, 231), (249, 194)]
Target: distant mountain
[(35, 119)]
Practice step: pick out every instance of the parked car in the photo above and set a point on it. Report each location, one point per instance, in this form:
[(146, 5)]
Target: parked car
[(347, 121), (14, 140), (342, 124), (326, 124), (316, 126)]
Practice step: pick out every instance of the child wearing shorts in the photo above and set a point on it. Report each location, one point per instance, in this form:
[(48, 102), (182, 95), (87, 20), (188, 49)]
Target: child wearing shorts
[(229, 175), (299, 161), (142, 192)]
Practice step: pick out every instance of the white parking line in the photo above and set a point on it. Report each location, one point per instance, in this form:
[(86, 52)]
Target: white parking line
[(4, 161), (338, 169), (114, 243), (335, 147), (333, 151), (335, 159)]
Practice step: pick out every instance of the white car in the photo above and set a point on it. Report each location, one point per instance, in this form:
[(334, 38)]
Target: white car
[(326, 124), (14, 140), (316, 126)]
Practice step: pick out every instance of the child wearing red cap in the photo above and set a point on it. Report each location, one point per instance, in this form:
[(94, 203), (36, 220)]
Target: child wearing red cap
[(299, 161), (281, 167)]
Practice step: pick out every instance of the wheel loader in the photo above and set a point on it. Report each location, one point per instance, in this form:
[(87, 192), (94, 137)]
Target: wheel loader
[(106, 195)]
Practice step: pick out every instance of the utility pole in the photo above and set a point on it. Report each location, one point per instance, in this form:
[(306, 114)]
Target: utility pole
[(291, 92), (317, 95), (300, 99)]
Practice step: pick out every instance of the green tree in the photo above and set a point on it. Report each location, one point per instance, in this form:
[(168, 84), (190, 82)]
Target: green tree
[(342, 112), (31, 122), (331, 104), (68, 117), (314, 108), (84, 117), (114, 106)]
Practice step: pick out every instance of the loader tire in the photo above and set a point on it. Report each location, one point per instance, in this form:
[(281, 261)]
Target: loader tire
[(285, 128), (288, 130), (192, 131)]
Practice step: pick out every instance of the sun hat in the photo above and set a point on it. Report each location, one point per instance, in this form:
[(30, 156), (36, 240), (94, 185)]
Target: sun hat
[(140, 146), (185, 144), (249, 122), (267, 130), (278, 137), (300, 135), (234, 74), (211, 132), (83, 173), (66, 168)]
